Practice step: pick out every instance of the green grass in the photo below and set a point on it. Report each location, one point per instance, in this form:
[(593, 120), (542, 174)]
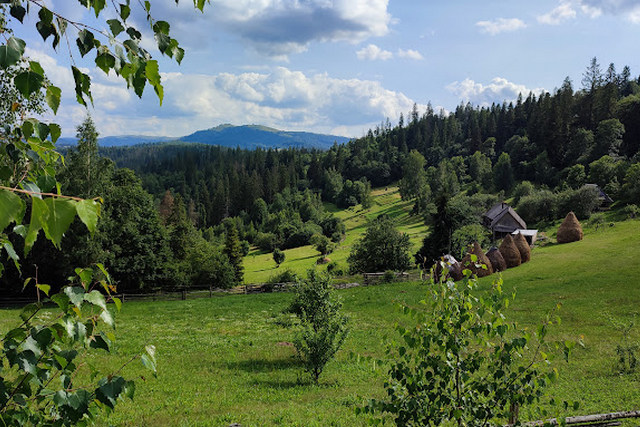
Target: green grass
[(259, 266), (228, 359)]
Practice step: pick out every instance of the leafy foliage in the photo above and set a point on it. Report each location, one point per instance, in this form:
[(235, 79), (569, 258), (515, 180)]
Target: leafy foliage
[(323, 328), (381, 248), (278, 256), (462, 362)]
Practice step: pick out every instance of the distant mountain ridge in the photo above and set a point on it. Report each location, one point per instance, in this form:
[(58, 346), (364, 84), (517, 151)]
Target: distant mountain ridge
[(247, 136)]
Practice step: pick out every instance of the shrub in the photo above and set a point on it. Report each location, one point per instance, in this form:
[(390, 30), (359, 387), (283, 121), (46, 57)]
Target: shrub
[(524, 188), (538, 206), (286, 276), (583, 202), (631, 211), (278, 257), (458, 365), (245, 247), (266, 241), (382, 248), (334, 269), (389, 276), (323, 328)]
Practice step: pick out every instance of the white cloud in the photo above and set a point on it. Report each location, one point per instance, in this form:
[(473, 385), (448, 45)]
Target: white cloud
[(373, 52), (557, 16), (410, 54), (498, 91), (282, 98), (278, 28), (501, 25)]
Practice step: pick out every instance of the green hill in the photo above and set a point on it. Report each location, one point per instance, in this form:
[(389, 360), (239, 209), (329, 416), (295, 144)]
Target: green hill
[(259, 266), (229, 360)]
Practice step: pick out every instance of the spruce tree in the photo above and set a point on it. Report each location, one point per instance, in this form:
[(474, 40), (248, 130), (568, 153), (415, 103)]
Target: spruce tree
[(233, 250)]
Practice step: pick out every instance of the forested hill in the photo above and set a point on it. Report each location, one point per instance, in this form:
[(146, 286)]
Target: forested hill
[(563, 138), (248, 136), (253, 136)]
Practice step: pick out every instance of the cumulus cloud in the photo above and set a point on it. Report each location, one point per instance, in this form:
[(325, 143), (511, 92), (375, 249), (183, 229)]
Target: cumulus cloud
[(557, 16), (498, 91), (278, 28), (410, 54), (500, 25), (373, 52), (282, 98), (567, 9)]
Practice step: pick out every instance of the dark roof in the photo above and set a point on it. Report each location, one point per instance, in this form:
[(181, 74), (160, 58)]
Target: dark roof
[(601, 194), (494, 215)]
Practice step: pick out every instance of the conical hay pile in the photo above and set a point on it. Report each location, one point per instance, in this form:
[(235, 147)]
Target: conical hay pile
[(523, 247), (510, 252), (466, 262), (454, 271), (497, 261), (570, 230)]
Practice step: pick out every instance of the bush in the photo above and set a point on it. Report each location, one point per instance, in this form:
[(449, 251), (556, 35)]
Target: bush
[(245, 247), (286, 276), (538, 206), (323, 328), (266, 241), (582, 202), (524, 188), (334, 269), (458, 365), (382, 248), (278, 257), (389, 277), (631, 211)]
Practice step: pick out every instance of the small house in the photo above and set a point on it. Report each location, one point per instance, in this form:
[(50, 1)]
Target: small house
[(502, 219), (605, 200)]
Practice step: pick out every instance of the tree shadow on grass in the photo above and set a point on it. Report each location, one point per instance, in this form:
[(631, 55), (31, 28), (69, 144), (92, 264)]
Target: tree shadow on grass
[(263, 366)]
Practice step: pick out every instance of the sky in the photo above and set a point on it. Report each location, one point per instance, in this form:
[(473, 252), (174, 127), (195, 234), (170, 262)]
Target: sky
[(342, 66)]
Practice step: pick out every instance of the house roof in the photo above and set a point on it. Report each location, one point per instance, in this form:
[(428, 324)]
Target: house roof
[(601, 194), (498, 212)]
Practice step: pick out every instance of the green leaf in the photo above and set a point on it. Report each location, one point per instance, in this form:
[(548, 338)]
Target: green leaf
[(55, 131), (85, 275), (11, 53), (28, 82), (12, 209), (115, 26), (85, 41), (100, 341), (98, 5), (18, 12), (44, 288), (61, 214), (118, 303), (46, 183), (12, 254), (89, 211), (125, 11), (153, 76), (110, 390), (96, 298), (107, 318), (53, 98), (39, 215), (75, 294), (61, 300), (83, 85), (105, 61)]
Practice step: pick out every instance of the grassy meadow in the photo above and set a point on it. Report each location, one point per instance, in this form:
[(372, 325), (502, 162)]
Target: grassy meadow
[(259, 265), (228, 359)]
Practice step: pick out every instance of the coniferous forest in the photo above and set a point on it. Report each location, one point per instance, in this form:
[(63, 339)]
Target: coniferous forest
[(189, 198)]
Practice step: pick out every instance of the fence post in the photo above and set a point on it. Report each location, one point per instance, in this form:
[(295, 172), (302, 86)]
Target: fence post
[(184, 295)]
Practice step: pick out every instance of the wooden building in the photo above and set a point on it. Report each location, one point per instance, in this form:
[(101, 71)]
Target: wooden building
[(502, 220)]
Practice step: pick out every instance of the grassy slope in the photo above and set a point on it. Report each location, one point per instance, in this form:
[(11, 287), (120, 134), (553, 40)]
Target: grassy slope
[(226, 359), (260, 266)]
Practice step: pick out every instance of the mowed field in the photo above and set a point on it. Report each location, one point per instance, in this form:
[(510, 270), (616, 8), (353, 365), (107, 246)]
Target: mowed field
[(228, 359), (259, 266)]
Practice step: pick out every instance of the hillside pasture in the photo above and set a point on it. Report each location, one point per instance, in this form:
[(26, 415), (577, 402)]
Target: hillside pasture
[(228, 359)]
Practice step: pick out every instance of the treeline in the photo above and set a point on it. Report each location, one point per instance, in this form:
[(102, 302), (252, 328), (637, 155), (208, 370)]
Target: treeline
[(546, 139)]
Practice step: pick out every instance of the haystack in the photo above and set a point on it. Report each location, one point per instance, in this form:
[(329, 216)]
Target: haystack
[(466, 262), (451, 264), (523, 247), (570, 230), (497, 261), (510, 252)]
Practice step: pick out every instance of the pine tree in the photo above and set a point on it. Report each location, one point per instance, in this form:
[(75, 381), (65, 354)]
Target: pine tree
[(233, 250)]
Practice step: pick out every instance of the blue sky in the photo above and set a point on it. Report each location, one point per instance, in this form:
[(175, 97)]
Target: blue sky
[(343, 66)]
